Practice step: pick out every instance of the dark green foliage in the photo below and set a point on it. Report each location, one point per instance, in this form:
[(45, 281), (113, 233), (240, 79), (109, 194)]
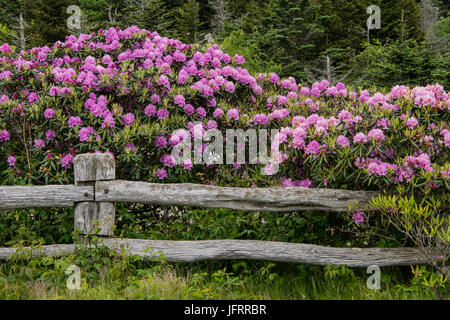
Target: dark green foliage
[(288, 34), (407, 62), (47, 19)]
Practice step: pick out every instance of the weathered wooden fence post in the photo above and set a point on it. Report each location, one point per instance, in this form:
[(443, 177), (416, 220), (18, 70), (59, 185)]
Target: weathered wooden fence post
[(94, 217)]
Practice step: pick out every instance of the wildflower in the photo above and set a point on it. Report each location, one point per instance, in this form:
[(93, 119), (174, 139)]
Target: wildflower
[(74, 121), (150, 110), (85, 133), (411, 123), (160, 142), (201, 112), (162, 114), (313, 148), (233, 114)]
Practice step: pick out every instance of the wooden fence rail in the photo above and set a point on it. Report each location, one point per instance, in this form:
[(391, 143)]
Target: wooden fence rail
[(96, 190)]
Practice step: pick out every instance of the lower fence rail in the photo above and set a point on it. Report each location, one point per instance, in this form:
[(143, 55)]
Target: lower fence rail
[(191, 251)]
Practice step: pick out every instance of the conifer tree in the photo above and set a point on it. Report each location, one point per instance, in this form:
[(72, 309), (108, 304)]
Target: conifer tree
[(188, 21), (288, 34), (149, 14)]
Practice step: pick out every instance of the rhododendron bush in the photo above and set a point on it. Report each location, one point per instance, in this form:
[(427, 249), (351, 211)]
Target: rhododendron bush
[(126, 91)]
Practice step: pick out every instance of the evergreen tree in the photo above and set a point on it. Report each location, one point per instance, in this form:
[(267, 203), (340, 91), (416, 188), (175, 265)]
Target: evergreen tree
[(408, 62), (288, 34), (149, 14), (48, 21), (188, 21)]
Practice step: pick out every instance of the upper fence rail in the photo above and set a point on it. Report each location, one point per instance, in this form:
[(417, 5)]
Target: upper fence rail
[(185, 194)]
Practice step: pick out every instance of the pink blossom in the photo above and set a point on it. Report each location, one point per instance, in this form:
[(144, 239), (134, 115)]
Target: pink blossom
[(343, 142), (162, 114), (359, 138), (150, 110), (39, 143), (4, 135), (233, 114), (49, 113), (155, 98), (161, 174), (161, 142), (217, 113), (50, 134), (376, 135), (411, 123), (85, 133), (128, 119), (11, 161), (75, 121), (261, 118), (201, 112), (168, 160), (66, 160), (179, 100), (358, 218), (189, 109), (313, 148)]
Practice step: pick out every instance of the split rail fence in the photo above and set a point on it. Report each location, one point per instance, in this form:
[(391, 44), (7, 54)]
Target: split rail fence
[(96, 190)]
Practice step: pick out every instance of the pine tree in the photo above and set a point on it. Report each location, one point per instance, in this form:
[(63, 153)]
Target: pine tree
[(288, 34), (48, 20), (149, 14), (188, 21)]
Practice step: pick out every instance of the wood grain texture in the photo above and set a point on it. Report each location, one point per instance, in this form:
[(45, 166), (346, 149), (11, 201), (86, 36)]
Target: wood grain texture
[(14, 197), (94, 167), (94, 218), (56, 250), (191, 251), (254, 199)]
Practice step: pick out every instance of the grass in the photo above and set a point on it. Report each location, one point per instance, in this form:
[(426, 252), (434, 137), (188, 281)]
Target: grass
[(108, 276)]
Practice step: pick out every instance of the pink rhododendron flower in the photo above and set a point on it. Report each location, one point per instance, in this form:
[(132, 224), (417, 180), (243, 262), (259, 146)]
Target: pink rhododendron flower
[(66, 160), (376, 135), (85, 133), (4, 135), (359, 138), (39, 143), (11, 161), (75, 121), (49, 113), (233, 114), (128, 119), (161, 142), (161, 174), (358, 218), (50, 134), (343, 142)]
